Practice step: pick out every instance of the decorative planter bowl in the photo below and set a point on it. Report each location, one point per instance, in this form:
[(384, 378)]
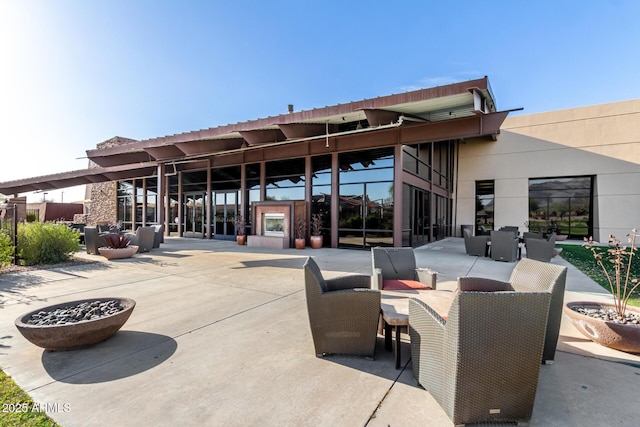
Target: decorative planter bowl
[(117, 253), (316, 242), (70, 336), (619, 336)]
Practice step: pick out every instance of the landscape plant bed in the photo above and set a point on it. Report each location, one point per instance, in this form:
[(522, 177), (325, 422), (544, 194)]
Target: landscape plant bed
[(582, 258), (606, 314)]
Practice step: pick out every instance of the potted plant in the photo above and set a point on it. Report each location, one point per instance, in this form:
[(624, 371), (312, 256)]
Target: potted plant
[(301, 231), (614, 325), (316, 231), (117, 246), (241, 237)]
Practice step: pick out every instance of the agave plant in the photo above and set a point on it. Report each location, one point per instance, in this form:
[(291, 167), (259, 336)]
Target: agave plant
[(117, 241), (619, 259)]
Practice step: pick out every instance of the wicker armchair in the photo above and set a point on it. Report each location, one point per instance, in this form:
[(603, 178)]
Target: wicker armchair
[(395, 268), (93, 240), (482, 363), (158, 235), (542, 249), (536, 276), (475, 245), (531, 276), (504, 246), (143, 238), (343, 312)]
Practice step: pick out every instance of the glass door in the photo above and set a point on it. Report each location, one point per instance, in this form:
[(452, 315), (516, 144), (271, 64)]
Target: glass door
[(193, 220), (225, 208)]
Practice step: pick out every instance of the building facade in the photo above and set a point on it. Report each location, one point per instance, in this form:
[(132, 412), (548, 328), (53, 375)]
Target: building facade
[(398, 170)]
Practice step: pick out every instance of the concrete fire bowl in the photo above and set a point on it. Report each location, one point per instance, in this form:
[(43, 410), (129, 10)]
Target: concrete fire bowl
[(71, 336)]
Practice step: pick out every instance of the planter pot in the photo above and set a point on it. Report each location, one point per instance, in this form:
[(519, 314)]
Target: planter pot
[(70, 336), (619, 336), (300, 243), (117, 253), (241, 240), (316, 242)]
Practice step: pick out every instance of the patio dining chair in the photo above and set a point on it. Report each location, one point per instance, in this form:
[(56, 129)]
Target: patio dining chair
[(343, 312), (395, 269), (482, 363)]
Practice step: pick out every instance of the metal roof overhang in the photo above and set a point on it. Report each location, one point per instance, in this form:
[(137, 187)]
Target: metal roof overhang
[(79, 177), (456, 111)]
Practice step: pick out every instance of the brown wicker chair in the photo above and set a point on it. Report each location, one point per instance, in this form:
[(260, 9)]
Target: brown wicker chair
[(399, 265), (482, 363), (343, 312)]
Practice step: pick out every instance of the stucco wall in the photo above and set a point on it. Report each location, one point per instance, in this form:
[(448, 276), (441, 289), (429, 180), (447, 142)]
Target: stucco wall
[(601, 140)]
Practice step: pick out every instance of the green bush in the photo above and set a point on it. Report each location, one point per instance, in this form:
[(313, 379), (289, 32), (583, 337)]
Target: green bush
[(46, 243), (6, 248)]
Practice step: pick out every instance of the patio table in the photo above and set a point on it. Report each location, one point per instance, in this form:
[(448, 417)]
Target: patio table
[(394, 307)]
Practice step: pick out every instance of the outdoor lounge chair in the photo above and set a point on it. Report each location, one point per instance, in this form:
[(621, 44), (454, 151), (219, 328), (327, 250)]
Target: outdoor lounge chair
[(475, 245), (93, 240), (504, 246), (158, 235), (542, 249), (531, 276), (481, 364), (343, 312), (143, 238), (395, 269)]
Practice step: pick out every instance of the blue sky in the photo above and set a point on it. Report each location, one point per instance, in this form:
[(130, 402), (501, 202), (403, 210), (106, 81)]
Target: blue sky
[(78, 72)]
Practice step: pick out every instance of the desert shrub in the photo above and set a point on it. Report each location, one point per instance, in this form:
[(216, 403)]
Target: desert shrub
[(32, 217), (6, 248), (46, 243)]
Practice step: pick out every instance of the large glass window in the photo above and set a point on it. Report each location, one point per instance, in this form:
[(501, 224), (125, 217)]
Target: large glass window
[(443, 155), (416, 159), (321, 193), (485, 197), (253, 190), (285, 180), (366, 198), (561, 205)]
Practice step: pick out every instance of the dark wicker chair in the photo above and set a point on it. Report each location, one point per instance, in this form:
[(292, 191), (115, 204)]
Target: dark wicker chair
[(343, 312), (475, 245), (398, 265), (143, 238), (504, 246), (93, 240), (158, 236), (482, 363), (542, 249)]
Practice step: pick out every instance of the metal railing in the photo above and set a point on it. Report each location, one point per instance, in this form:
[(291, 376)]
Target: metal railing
[(9, 224)]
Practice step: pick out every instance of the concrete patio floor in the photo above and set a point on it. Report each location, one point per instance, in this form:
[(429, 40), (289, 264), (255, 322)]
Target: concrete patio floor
[(220, 337)]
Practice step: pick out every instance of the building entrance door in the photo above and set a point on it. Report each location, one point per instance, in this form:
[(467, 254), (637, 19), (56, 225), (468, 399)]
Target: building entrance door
[(225, 208), (193, 221)]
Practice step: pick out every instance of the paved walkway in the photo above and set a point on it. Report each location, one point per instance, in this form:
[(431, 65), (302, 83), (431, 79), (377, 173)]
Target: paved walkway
[(220, 337)]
